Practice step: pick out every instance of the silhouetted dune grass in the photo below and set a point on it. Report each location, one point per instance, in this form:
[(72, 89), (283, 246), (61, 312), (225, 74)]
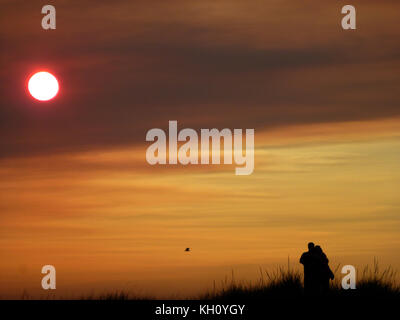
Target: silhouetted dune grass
[(288, 283), (279, 283), (283, 282), (117, 295), (373, 283)]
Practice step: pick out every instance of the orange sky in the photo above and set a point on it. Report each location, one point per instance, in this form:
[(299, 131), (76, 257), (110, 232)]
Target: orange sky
[(107, 220), (77, 193)]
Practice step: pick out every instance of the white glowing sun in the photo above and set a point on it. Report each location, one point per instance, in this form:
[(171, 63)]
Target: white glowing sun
[(43, 86)]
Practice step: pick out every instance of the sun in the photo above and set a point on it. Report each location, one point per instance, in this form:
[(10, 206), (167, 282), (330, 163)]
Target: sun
[(43, 86)]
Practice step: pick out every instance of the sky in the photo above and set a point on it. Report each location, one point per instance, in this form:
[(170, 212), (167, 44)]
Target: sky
[(76, 190)]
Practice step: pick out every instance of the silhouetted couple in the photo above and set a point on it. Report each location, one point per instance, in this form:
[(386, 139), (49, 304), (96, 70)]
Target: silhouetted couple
[(316, 270)]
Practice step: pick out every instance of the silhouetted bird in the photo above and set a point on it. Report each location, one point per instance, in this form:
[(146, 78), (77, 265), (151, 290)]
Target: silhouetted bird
[(187, 249)]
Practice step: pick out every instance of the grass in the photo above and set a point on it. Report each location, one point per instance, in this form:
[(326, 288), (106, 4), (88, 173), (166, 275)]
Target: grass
[(285, 282), (118, 295), (374, 283), (281, 282)]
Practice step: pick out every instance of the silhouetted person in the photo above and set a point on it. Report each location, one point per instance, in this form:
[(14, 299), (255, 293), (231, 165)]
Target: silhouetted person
[(310, 262), (324, 272)]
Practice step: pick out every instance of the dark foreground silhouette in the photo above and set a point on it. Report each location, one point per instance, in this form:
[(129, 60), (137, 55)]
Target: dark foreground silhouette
[(282, 283), (317, 272), (286, 282)]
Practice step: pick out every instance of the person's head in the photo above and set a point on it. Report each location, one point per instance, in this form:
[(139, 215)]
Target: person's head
[(317, 249), (310, 246)]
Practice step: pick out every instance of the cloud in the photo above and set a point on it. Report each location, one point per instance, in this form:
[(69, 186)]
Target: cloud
[(125, 69)]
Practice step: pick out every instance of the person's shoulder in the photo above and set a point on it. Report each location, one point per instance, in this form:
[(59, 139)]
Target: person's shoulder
[(305, 254)]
